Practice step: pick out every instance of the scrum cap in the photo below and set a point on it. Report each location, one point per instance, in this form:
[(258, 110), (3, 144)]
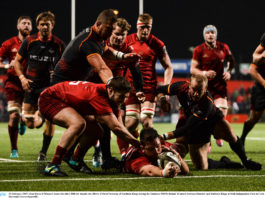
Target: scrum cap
[(209, 28)]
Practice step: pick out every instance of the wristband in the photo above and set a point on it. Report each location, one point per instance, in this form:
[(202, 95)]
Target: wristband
[(165, 136), (204, 73), (119, 55), (6, 66), (21, 76)]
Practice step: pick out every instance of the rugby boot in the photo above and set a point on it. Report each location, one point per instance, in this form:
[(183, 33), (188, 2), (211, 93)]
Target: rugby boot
[(54, 170)]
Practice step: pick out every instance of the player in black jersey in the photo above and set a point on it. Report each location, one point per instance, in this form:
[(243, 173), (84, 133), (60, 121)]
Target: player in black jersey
[(257, 72), (201, 119), (41, 51), (83, 55)]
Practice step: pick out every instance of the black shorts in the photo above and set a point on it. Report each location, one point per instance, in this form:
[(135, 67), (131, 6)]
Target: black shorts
[(203, 131), (258, 98), (33, 96)]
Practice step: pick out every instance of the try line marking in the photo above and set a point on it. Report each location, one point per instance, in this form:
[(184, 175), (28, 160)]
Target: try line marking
[(123, 178)]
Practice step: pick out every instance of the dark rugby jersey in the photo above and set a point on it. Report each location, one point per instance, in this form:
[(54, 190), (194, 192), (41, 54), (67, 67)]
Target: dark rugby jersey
[(198, 113), (41, 57), (73, 65), (261, 66)]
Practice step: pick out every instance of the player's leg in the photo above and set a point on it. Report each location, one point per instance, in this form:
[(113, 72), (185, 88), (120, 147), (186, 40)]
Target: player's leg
[(89, 138), (75, 125), (221, 103), (198, 155), (224, 130), (147, 114), (254, 117), (131, 123), (47, 137), (13, 109)]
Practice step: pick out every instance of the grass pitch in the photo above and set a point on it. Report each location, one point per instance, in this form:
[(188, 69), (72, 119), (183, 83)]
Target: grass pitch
[(26, 174)]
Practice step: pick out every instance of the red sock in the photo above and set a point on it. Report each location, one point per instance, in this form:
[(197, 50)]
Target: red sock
[(80, 153), (13, 133), (123, 146), (59, 155)]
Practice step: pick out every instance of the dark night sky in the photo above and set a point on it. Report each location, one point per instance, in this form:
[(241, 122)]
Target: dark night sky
[(178, 23)]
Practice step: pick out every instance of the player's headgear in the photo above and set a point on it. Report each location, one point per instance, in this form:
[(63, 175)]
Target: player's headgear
[(209, 28)]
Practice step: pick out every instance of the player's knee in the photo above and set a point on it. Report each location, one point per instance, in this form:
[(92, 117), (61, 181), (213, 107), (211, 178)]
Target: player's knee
[(13, 109), (79, 127), (29, 119), (147, 113), (132, 113)]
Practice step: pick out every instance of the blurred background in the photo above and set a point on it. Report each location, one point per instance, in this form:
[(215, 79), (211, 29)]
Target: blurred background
[(179, 24)]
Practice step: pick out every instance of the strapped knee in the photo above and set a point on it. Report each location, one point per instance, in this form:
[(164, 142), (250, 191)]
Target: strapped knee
[(11, 108), (147, 112), (132, 112)]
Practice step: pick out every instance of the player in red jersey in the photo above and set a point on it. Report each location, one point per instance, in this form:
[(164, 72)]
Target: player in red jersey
[(13, 89), (118, 68), (150, 48), (73, 104), (209, 59), (143, 160), (257, 72), (41, 51)]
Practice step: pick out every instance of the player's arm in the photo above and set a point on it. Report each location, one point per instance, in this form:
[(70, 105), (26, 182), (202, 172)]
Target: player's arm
[(253, 71), (96, 61), (19, 71), (113, 54), (3, 55), (259, 55), (166, 63), (154, 171), (118, 128), (137, 80), (192, 122)]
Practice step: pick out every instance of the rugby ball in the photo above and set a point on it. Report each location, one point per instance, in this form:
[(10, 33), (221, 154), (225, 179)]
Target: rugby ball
[(166, 157)]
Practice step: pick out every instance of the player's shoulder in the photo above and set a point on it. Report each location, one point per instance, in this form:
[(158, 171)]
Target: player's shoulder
[(10, 41), (57, 40), (131, 38), (222, 44)]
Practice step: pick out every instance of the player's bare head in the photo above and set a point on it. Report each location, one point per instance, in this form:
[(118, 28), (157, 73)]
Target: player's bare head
[(148, 135), (46, 16), (144, 26), (210, 33), (120, 32), (108, 16), (24, 17), (106, 23), (123, 24), (118, 90), (119, 84), (198, 86), (24, 25)]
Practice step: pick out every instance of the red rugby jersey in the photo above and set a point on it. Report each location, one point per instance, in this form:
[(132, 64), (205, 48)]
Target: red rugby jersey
[(9, 50), (212, 59), (149, 51), (85, 97)]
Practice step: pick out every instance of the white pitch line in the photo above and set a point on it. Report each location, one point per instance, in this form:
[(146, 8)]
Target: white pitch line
[(10, 160), (123, 178)]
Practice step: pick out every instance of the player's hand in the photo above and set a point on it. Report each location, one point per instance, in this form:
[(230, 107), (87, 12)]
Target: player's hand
[(226, 76), (140, 96), (26, 84), (132, 57), (171, 170), (210, 74), (164, 104), (11, 64)]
